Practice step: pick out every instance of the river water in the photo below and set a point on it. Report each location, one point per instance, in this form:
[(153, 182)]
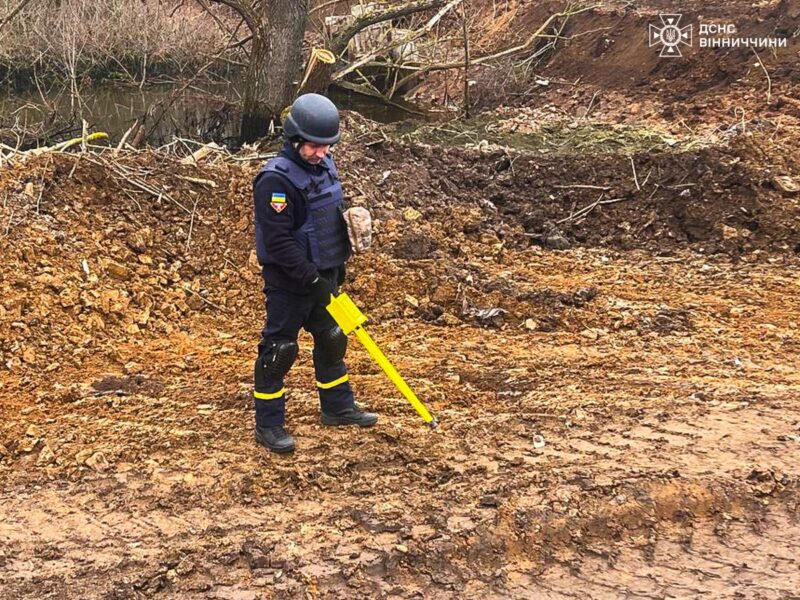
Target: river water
[(202, 113)]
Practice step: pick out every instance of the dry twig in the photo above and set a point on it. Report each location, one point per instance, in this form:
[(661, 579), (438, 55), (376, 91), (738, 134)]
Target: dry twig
[(635, 179), (187, 288), (191, 223), (769, 80)]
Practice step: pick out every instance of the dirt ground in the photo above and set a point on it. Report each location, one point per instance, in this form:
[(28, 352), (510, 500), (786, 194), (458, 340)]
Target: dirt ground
[(605, 323)]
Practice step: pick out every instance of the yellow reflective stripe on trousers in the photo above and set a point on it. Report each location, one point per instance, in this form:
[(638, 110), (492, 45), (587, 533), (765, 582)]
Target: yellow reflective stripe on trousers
[(270, 395), (334, 383)]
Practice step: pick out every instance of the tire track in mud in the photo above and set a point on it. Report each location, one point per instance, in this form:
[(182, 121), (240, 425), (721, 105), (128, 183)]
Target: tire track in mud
[(663, 388), (490, 506)]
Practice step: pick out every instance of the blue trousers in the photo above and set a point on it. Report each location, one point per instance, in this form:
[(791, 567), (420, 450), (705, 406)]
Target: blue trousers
[(286, 314)]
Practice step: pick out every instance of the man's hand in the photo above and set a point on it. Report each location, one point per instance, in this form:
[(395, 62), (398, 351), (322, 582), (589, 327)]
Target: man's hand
[(321, 291)]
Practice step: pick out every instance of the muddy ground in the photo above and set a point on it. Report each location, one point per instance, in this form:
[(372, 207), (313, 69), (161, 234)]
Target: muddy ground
[(604, 321)]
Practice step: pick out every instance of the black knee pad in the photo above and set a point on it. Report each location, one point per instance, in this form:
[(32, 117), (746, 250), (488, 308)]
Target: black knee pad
[(331, 345), (275, 360)]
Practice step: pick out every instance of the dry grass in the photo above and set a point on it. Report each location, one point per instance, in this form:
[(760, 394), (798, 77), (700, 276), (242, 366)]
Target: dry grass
[(78, 38)]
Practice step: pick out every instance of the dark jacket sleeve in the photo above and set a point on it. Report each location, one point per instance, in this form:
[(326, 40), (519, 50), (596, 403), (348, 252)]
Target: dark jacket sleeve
[(277, 226)]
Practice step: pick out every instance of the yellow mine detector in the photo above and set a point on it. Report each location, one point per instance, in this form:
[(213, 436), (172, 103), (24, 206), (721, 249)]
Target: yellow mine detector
[(350, 318)]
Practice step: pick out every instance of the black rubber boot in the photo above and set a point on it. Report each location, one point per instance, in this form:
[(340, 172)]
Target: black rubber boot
[(275, 438), (350, 416)]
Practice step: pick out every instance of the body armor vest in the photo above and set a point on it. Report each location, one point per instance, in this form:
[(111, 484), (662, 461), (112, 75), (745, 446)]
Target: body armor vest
[(323, 235)]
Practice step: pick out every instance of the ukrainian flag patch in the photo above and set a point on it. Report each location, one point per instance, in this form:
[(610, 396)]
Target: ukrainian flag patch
[(278, 202)]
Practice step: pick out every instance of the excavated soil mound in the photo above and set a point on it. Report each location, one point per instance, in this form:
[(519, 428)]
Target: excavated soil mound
[(617, 415), (594, 288), (602, 64)]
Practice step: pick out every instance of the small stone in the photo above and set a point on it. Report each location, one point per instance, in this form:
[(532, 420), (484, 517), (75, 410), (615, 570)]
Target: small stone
[(401, 548), (448, 319), (488, 238), (252, 262), (411, 214), (412, 301), (118, 271), (531, 324), (138, 242), (184, 567), (27, 444), (33, 431), (555, 240), (729, 233), (97, 461), (786, 184), (83, 455), (194, 302), (131, 367), (46, 456), (489, 500)]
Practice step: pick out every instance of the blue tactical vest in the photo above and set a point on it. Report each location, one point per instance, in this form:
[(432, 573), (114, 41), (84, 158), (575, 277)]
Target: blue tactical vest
[(324, 233)]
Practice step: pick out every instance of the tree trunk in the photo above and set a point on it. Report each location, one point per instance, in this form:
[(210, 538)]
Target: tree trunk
[(275, 61), (319, 78)]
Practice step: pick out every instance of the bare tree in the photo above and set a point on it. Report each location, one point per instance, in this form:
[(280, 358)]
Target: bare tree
[(277, 28)]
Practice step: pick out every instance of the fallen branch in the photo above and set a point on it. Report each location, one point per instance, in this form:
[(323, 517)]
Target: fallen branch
[(125, 137), (589, 208), (254, 157), (413, 36), (484, 59), (205, 182), (583, 186), (130, 178), (363, 89), (201, 153)]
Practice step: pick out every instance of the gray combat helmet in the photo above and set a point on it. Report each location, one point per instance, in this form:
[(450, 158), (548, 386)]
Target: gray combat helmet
[(313, 118)]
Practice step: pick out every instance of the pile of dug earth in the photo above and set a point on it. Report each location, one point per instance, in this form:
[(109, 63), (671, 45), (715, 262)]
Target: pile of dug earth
[(609, 340)]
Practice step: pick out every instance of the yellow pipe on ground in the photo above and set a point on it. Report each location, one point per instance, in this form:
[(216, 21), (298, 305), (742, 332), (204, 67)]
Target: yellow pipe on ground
[(350, 319)]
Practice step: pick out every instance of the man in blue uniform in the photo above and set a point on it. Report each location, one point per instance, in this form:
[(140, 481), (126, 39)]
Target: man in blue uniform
[(302, 246)]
